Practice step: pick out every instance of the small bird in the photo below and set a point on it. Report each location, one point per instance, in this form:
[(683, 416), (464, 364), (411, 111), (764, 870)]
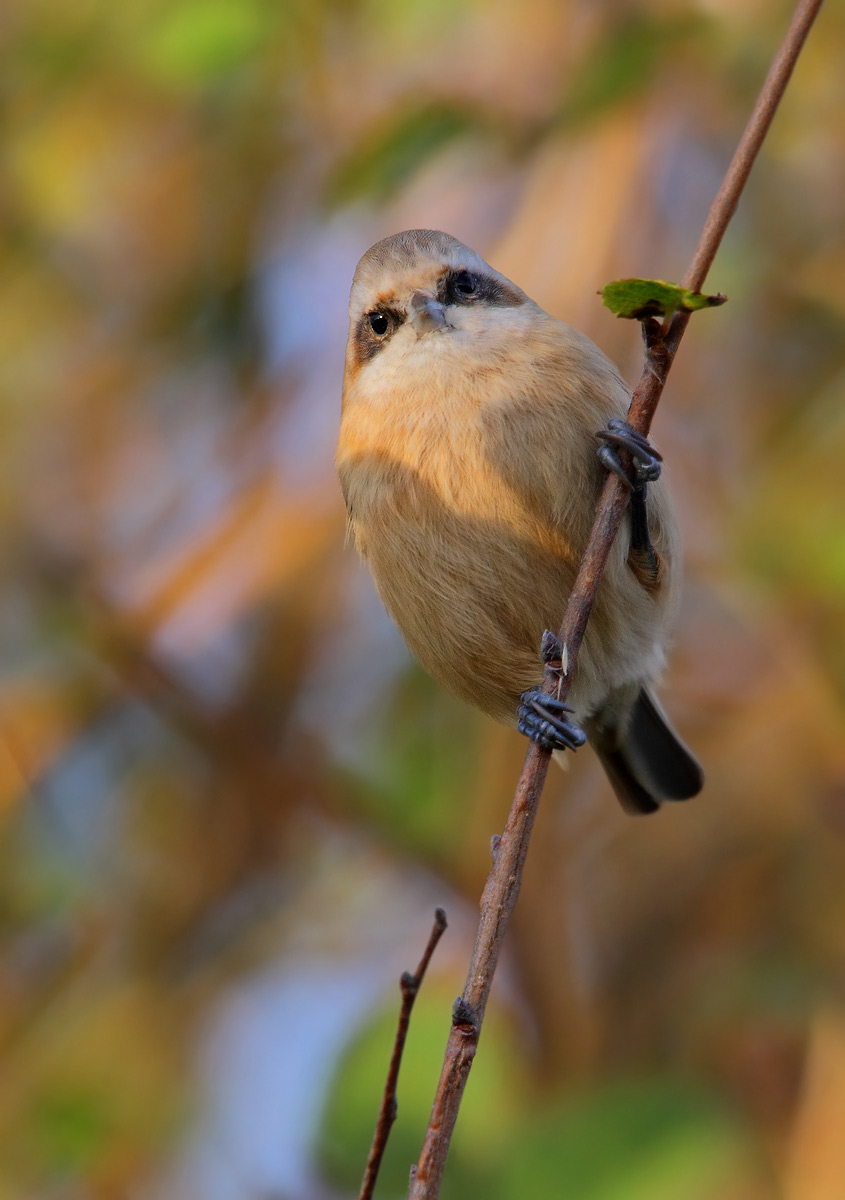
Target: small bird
[(475, 436)]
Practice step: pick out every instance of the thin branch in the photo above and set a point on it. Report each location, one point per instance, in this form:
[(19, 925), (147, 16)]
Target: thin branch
[(409, 985), (502, 888), (724, 205)]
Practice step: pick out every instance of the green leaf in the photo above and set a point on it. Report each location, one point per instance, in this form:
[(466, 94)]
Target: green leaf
[(637, 299)]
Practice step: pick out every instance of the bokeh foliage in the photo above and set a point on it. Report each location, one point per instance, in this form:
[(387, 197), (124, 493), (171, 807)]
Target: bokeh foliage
[(217, 764)]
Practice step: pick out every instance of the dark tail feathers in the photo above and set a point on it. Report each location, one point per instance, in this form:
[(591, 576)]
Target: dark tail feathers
[(645, 760)]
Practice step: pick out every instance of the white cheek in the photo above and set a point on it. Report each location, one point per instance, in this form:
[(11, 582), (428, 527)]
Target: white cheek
[(478, 339), (408, 363)]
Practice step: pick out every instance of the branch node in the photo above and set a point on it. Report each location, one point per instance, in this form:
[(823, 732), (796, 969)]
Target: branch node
[(463, 1016), (551, 649), (409, 985), (657, 356)]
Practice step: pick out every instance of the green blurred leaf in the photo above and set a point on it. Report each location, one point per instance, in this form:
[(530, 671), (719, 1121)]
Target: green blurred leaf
[(623, 64), (387, 158), (422, 756), (791, 533), (198, 40), (637, 1140), (644, 1139), (71, 1128), (640, 298)]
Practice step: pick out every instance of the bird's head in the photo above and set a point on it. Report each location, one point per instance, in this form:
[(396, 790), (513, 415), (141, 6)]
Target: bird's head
[(422, 300)]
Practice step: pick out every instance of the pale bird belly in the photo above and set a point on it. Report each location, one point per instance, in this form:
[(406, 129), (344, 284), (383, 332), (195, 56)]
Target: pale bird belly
[(471, 583)]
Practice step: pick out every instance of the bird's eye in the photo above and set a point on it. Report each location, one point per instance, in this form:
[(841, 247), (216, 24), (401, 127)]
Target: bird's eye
[(378, 323), (464, 284)]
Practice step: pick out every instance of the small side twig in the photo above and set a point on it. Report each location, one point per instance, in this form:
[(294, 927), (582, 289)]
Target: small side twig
[(502, 888), (409, 985)]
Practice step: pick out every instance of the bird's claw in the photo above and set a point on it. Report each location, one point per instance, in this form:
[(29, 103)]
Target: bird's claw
[(646, 461), (539, 718)]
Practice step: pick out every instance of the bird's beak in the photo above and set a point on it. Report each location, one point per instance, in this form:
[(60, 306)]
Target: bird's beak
[(426, 313)]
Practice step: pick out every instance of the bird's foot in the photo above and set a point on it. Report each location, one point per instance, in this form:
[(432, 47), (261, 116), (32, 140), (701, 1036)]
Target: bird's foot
[(645, 460), (539, 717)]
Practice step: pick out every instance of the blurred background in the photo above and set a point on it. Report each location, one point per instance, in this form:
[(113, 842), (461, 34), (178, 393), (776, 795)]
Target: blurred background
[(230, 801)]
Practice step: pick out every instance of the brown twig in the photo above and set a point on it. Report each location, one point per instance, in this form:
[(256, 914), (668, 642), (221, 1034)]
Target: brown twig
[(409, 985), (502, 888)]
